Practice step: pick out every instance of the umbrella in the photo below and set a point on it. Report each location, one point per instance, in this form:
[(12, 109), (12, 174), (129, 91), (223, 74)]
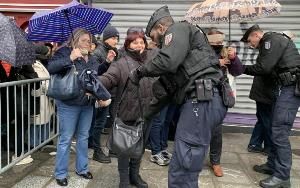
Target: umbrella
[(216, 11), (14, 48), (56, 25)]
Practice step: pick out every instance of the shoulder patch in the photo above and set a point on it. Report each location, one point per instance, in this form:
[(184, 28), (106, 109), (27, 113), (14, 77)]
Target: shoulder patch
[(168, 39), (267, 45)]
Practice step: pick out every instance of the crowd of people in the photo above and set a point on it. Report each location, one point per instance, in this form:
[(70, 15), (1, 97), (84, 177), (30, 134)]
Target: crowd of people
[(189, 65)]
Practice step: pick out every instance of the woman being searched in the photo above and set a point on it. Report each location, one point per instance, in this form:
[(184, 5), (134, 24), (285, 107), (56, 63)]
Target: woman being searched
[(136, 54), (75, 115)]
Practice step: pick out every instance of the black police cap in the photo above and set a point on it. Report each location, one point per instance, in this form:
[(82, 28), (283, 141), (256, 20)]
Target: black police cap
[(157, 15), (249, 31)]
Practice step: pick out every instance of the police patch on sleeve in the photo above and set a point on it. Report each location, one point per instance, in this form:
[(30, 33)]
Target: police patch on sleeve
[(267, 45), (168, 39)]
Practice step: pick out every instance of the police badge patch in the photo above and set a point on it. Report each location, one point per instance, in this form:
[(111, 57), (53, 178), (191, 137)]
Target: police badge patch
[(168, 39), (267, 45)]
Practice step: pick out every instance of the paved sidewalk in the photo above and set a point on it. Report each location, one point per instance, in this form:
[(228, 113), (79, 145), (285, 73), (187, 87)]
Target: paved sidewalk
[(236, 161)]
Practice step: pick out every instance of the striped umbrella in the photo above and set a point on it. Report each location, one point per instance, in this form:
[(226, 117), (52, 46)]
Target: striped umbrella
[(216, 11), (56, 25)]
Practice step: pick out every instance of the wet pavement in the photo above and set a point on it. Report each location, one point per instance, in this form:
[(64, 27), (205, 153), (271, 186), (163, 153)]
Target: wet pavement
[(236, 161)]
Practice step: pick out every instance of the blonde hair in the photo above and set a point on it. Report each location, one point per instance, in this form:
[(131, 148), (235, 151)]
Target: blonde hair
[(77, 33)]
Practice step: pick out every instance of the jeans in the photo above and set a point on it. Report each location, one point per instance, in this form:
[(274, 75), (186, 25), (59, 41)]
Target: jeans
[(262, 131), (99, 121), (160, 130), (215, 150), (72, 119), (41, 134)]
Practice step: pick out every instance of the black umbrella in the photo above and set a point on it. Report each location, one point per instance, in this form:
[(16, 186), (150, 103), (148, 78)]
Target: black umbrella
[(14, 47)]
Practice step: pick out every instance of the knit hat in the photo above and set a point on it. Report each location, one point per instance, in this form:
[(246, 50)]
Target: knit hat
[(110, 31)]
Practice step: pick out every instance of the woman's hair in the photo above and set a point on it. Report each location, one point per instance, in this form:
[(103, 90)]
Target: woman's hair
[(133, 36), (77, 33)]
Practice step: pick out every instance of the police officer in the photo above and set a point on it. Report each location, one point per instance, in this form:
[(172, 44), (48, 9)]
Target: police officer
[(278, 56), (186, 59)]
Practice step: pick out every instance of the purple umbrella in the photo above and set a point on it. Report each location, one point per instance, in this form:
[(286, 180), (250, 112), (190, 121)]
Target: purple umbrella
[(56, 25)]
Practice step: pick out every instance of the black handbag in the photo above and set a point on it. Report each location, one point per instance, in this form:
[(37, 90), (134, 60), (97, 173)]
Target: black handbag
[(124, 139), (227, 94), (64, 86)]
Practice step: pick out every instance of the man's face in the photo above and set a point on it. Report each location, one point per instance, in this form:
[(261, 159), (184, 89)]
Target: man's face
[(157, 35), (254, 39), (112, 41)]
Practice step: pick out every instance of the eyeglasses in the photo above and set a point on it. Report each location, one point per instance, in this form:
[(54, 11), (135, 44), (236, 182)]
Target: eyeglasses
[(135, 30)]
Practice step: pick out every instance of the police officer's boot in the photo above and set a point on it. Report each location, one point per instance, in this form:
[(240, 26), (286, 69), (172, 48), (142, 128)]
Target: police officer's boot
[(274, 182), (134, 176)]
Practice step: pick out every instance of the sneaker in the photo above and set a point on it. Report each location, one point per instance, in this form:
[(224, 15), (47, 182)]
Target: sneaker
[(24, 161), (159, 159), (166, 154), (255, 149)]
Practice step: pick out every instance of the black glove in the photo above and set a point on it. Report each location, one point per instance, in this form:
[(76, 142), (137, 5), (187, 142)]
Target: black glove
[(134, 76)]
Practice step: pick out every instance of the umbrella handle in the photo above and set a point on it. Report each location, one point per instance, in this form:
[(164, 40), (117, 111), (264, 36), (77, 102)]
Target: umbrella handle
[(69, 23)]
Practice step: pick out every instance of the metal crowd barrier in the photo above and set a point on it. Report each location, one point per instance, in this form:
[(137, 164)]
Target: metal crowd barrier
[(27, 120)]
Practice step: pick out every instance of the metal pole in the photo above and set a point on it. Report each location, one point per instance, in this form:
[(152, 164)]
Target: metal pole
[(229, 38)]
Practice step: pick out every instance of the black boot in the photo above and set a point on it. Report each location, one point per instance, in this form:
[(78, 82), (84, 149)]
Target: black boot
[(134, 176), (123, 163), (274, 182), (264, 169), (101, 157)]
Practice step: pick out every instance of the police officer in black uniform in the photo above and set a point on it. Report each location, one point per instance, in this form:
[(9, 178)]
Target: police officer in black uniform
[(278, 56), (189, 63)]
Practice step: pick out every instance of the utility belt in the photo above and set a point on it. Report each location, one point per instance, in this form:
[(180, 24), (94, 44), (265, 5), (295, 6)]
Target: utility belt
[(288, 78), (205, 90)]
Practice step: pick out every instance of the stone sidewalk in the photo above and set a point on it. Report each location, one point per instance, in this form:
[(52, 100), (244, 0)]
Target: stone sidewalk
[(236, 161)]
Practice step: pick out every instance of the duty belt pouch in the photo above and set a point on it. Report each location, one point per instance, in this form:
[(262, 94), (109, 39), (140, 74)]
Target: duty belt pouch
[(204, 90), (297, 89)]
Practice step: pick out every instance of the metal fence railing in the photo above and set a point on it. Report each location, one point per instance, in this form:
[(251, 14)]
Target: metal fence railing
[(27, 120)]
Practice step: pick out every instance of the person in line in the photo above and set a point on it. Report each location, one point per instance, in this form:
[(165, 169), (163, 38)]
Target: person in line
[(135, 54), (230, 64), (75, 115)]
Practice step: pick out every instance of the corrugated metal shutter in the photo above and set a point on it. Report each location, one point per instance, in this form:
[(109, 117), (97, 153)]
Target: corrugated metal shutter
[(137, 13)]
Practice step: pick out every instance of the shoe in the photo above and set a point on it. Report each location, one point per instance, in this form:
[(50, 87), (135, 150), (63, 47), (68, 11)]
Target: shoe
[(124, 185), (274, 182), (159, 159), (137, 181), (62, 182), (217, 170), (264, 169), (86, 176), (255, 149), (266, 151), (24, 161), (112, 154), (166, 154), (105, 131), (101, 157)]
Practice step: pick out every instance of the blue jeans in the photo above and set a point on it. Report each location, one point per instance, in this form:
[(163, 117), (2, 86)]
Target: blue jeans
[(72, 119), (99, 121), (41, 134), (160, 129), (262, 132)]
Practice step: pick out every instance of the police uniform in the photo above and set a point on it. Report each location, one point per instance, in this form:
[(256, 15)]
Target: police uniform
[(186, 56), (278, 56)]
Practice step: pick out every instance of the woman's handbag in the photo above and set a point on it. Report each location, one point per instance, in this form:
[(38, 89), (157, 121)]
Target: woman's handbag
[(64, 86), (127, 140), (227, 94)]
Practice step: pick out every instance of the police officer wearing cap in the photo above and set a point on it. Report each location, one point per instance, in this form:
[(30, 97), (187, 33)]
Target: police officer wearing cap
[(278, 56), (189, 63)]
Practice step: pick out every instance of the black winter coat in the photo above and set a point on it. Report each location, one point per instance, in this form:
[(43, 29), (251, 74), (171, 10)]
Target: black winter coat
[(117, 75), (61, 62)]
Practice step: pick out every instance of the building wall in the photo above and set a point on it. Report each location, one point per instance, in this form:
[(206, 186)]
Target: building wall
[(137, 13)]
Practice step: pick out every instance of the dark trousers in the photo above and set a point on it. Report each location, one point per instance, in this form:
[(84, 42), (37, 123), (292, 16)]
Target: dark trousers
[(262, 131), (98, 123), (215, 150), (159, 132), (196, 121), (128, 166), (285, 111)]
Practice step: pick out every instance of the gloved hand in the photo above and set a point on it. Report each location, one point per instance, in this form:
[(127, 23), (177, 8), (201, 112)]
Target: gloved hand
[(134, 76)]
